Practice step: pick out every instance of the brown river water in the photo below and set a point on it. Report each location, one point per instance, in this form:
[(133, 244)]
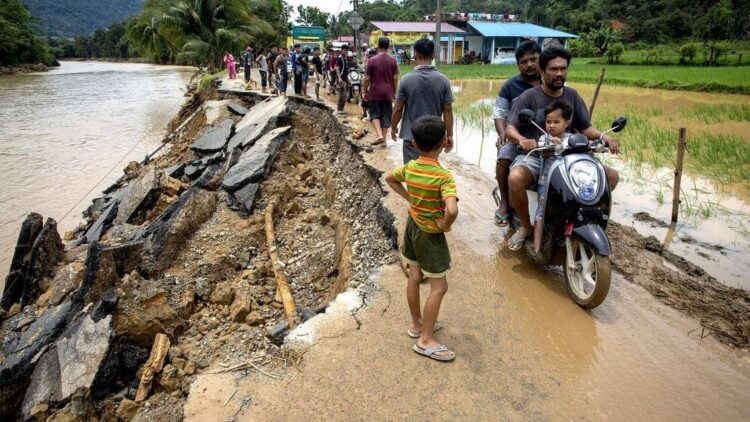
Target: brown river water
[(66, 134), (720, 243)]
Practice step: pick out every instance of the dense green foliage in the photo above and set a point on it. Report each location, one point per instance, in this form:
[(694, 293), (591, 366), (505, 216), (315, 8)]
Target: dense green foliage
[(197, 31), (68, 18), (111, 43), (18, 42)]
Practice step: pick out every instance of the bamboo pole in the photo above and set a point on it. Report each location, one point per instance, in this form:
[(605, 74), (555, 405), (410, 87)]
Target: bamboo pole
[(282, 286), (153, 366), (481, 144), (681, 146), (596, 92)]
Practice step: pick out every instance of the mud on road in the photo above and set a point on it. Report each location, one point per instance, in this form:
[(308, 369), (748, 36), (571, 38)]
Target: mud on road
[(212, 290)]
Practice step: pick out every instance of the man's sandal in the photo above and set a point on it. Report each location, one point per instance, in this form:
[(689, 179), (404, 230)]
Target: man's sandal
[(514, 243), (414, 334), (432, 353), (501, 220)]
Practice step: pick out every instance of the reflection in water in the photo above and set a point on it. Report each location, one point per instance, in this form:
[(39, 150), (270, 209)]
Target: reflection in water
[(63, 130), (720, 244)]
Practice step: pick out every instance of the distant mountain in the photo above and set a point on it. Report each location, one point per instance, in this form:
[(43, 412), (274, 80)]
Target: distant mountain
[(80, 17)]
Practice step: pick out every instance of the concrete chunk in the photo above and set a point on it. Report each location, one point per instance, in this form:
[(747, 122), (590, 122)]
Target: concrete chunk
[(247, 195), (139, 194), (237, 109), (214, 138)]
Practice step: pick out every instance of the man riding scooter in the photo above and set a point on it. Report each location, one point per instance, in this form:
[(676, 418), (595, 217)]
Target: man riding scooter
[(553, 63)]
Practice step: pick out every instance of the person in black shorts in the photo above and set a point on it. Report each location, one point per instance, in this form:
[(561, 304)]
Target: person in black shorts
[(379, 89), (317, 64)]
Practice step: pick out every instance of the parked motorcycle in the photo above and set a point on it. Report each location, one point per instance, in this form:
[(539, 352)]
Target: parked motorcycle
[(355, 84), (576, 204)]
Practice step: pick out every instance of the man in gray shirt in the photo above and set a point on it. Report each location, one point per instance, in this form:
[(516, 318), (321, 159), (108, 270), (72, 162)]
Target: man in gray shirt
[(424, 91)]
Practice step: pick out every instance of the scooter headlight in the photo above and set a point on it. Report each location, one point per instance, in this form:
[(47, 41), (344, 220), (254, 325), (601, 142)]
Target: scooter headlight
[(585, 179)]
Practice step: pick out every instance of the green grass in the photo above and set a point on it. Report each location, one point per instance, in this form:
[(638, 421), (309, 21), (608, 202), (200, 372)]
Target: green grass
[(208, 78), (735, 80), (708, 113), (721, 157), (477, 115)]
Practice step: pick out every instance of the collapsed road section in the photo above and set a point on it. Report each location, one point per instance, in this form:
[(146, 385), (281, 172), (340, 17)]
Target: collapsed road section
[(173, 272)]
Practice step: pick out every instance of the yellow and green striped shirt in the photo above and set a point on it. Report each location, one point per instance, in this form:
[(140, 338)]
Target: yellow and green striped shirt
[(429, 185)]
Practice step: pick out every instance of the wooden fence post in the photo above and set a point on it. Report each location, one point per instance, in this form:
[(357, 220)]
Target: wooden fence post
[(681, 145), (596, 92)]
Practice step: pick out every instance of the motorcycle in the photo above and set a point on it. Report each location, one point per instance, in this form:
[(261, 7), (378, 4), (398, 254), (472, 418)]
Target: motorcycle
[(575, 210), (355, 84)]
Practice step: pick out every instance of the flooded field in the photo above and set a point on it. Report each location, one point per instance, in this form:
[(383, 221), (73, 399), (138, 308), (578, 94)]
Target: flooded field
[(714, 226)]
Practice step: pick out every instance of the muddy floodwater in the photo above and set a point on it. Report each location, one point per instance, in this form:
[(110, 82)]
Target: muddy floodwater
[(66, 134), (713, 230)]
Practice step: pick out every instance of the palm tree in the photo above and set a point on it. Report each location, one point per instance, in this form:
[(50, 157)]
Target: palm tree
[(144, 31), (206, 28)]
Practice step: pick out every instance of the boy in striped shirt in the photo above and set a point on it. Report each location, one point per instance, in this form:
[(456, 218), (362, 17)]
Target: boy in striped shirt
[(431, 192)]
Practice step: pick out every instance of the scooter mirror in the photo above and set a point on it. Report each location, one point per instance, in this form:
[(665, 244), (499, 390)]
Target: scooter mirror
[(526, 116), (619, 123)]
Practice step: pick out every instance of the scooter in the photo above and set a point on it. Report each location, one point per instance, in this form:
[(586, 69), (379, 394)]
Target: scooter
[(355, 84), (575, 210)]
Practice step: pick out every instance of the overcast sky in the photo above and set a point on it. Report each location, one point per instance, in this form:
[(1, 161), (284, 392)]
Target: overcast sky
[(330, 6)]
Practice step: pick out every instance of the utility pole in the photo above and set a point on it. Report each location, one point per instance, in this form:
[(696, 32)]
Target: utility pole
[(438, 19), (355, 4)]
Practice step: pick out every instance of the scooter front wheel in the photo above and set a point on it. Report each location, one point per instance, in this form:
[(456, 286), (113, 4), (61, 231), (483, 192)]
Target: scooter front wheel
[(587, 274)]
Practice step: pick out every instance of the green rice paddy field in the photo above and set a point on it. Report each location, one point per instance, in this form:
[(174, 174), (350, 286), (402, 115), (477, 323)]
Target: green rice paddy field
[(726, 79)]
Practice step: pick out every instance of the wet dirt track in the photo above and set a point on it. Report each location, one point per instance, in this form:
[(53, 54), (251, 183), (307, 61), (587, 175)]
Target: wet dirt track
[(525, 350)]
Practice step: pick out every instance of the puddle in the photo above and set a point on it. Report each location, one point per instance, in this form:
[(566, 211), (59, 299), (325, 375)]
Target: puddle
[(713, 230)]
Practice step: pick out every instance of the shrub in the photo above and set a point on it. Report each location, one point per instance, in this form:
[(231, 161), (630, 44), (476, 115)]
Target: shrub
[(581, 47), (688, 52), (614, 52)]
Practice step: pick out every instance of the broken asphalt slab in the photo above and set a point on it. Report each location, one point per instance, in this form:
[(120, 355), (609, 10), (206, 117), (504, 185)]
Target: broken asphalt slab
[(255, 163), (214, 138)]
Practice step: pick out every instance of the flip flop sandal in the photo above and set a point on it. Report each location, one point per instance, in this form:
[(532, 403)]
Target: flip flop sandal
[(414, 334), (501, 220), (514, 244), (431, 352), (378, 141)]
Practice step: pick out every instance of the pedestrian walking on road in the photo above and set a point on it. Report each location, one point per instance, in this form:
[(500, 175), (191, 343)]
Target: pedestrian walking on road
[(343, 81), (296, 70), (262, 69), (423, 92), (229, 61), (281, 66), (433, 207), (318, 68), (247, 59), (379, 88)]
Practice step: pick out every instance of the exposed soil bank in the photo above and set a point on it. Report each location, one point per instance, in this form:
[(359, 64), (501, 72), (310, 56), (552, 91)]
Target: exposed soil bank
[(172, 249)]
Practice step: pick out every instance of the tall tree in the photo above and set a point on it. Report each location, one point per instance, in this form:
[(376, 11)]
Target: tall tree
[(311, 16), (18, 42)]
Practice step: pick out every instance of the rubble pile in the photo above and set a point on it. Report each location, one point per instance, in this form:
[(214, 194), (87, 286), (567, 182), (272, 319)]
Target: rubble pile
[(169, 274)]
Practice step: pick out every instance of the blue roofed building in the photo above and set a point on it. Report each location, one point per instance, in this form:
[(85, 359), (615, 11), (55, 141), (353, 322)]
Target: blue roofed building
[(495, 42)]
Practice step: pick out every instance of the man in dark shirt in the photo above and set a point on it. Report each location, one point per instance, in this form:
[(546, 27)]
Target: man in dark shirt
[(553, 62), (318, 68), (303, 66), (381, 81), (527, 58), (271, 69), (343, 81), (296, 70)]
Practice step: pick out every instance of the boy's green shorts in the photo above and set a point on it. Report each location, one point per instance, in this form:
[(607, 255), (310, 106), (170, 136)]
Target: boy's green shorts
[(429, 251)]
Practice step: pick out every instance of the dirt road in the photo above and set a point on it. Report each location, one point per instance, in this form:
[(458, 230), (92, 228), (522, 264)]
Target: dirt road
[(524, 349)]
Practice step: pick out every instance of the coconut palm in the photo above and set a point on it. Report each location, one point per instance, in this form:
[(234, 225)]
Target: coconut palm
[(206, 28), (143, 30)]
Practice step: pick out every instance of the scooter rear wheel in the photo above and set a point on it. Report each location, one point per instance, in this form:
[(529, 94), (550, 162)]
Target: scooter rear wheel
[(588, 281)]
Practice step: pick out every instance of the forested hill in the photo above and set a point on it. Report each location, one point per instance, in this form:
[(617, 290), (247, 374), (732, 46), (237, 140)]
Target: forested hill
[(80, 17)]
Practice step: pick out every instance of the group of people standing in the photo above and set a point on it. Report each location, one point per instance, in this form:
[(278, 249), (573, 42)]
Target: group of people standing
[(418, 109)]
